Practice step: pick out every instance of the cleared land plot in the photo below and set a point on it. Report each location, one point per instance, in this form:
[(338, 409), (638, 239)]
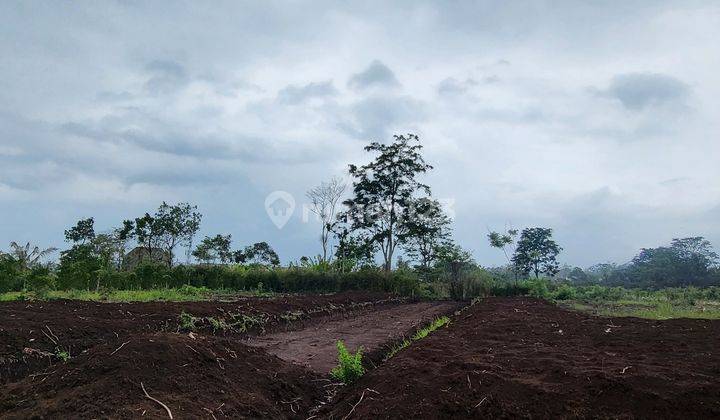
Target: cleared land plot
[(515, 357), (314, 346)]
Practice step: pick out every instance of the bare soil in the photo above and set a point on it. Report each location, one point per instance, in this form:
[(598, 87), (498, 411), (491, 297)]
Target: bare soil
[(515, 357), (315, 346), (503, 357)]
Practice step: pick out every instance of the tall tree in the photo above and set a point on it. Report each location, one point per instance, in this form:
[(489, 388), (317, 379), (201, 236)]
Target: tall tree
[(505, 241), (353, 250), (82, 232), (324, 199), (212, 249), (147, 232), (427, 228), (258, 253), (382, 189), (123, 234), (536, 252), (176, 225)]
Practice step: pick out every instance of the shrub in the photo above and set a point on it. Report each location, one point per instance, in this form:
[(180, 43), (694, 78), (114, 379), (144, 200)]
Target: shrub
[(564, 292), (477, 282), (40, 281), (350, 368)]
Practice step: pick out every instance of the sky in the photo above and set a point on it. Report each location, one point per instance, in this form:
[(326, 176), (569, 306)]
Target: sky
[(600, 120)]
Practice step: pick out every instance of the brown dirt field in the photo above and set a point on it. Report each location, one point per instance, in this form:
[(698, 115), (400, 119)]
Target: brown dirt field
[(314, 346), (516, 357), (503, 357), (196, 378), (80, 325)]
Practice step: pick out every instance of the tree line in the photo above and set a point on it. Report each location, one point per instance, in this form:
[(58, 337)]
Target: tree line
[(389, 216)]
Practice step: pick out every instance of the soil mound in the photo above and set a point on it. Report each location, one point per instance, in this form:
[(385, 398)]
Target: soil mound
[(204, 376), (510, 358)]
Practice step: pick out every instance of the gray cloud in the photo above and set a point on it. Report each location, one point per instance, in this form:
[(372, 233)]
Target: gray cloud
[(108, 111), (166, 76), (376, 117), (638, 91), (452, 86), (375, 75), (293, 95)]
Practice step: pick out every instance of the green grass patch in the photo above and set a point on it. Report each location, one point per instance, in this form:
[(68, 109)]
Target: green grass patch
[(659, 309), (419, 335), (184, 294)]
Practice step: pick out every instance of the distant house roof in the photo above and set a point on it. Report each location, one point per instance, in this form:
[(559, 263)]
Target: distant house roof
[(138, 254)]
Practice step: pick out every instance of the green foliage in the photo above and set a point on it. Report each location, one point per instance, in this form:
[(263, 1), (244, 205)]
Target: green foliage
[(187, 322), (10, 274), (260, 253), (350, 366), (82, 232), (40, 281), (419, 335), (426, 230), (79, 268), (217, 324), (536, 252), (383, 191), (61, 354), (564, 292), (214, 249)]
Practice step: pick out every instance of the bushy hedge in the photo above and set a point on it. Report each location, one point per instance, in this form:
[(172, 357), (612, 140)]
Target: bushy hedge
[(231, 277)]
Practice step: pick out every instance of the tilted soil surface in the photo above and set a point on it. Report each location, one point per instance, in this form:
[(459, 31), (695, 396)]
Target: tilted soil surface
[(516, 357), (315, 346)]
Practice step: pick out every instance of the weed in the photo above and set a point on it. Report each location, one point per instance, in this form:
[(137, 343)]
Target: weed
[(350, 368), (187, 322), (419, 335), (62, 354), (243, 322), (217, 324)]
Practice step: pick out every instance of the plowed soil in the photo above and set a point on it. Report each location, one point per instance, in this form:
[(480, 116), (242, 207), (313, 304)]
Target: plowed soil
[(503, 357), (116, 349), (514, 357), (315, 348)]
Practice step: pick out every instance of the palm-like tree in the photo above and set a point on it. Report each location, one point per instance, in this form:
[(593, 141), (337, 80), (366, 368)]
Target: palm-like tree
[(29, 256)]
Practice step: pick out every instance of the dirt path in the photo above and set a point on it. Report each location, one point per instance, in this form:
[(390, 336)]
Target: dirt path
[(315, 346)]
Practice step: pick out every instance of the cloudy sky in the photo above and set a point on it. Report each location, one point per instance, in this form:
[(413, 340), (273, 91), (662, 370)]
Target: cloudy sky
[(598, 119)]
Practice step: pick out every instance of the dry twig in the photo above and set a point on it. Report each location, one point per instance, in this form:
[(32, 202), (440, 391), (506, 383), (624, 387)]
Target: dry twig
[(353, 407), (118, 349), (157, 401)]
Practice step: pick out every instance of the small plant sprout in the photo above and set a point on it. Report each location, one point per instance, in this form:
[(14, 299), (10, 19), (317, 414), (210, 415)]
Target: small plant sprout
[(350, 367), (61, 354)]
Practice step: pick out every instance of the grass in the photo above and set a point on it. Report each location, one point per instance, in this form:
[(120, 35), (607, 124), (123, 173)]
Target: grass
[(657, 309), (419, 335), (186, 294)]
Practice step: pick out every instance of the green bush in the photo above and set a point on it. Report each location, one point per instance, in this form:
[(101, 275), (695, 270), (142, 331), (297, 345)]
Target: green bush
[(564, 292), (350, 367), (40, 281)]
